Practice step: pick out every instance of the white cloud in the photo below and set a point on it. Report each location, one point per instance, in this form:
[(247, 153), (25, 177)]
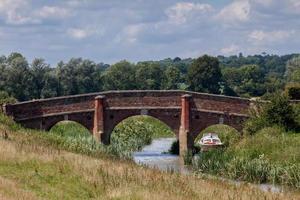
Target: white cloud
[(259, 36), (181, 12), (264, 2), (232, 49), (293, 6), (130, 33), (78, 33), (238, 11), (14, 10), (52, 12)]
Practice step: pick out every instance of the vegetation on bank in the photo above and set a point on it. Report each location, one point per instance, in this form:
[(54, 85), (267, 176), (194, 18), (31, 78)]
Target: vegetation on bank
[(127, 137), (35, 164), (268, 152)]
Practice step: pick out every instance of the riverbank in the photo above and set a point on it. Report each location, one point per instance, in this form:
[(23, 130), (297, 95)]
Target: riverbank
[(37, 165), (270, 156)]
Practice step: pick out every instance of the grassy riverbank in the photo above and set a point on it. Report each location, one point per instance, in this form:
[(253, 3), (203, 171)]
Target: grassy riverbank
[(270, 156), (36, 165)]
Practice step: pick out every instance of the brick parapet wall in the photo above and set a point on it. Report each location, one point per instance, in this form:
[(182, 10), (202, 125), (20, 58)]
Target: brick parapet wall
[(148, 98)]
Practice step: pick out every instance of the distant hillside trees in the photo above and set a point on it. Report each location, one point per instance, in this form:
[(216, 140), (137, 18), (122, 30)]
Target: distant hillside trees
[(204, 75), (257, 75)]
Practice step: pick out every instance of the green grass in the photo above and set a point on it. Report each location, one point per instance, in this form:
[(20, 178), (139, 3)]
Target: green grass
[(269, 156)]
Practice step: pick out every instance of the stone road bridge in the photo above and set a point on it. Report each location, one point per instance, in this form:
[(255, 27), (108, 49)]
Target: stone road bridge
[(186, 113)]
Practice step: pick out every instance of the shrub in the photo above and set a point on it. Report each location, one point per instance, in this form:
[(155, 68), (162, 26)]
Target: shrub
[(5, 98), (131, 135), (277, 112), (174, 148), (292, 90)]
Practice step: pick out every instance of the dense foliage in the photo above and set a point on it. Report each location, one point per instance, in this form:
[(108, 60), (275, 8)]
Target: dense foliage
[(257, 75), (277, 112)]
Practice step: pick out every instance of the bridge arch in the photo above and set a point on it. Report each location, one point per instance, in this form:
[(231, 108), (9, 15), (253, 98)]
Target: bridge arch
[(113, 118), (142, 127), (69, 128), (84, 119)]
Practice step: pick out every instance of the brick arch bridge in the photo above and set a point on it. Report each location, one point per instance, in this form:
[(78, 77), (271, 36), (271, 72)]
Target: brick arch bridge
[(186, 113)]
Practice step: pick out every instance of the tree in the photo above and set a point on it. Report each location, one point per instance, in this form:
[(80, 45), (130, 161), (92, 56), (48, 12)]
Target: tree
[(38, 70), (18, 77), (120, 76), (293, 70), (172, 78), (51, 85), (204, 75), (148, 76)]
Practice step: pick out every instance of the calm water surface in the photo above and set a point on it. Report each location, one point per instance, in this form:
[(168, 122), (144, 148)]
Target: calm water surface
[(156, 155)]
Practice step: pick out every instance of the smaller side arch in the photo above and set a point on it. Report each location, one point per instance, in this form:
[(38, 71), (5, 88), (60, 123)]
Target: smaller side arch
[(228, 134), (84, 119)]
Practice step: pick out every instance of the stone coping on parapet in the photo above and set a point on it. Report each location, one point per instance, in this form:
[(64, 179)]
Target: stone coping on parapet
[(131, 91)]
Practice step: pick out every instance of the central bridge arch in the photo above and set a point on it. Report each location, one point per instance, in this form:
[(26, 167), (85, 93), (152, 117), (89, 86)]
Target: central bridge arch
[(186, 113)]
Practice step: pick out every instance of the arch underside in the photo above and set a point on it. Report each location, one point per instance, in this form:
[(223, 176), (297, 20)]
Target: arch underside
[(201, 120), (170, 117), (46, 123)]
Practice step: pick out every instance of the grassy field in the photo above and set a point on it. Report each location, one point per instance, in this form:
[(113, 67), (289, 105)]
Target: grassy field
[(270, 156), (40, 165)]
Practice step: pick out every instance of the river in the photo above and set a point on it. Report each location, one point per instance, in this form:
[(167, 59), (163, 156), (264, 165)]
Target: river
[(156, 155)]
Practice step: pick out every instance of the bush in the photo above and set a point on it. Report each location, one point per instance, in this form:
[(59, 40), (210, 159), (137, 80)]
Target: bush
[(174, 148), (5, 98), (131, 135), (292, 90), (277, 112)]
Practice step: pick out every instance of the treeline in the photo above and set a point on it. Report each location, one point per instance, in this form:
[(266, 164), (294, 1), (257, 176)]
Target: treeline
[(257, 75)]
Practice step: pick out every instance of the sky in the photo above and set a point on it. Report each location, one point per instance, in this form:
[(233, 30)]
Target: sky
[(112, 30)]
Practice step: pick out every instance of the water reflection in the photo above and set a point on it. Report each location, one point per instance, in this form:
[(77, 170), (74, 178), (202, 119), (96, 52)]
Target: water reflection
[(156, 155)]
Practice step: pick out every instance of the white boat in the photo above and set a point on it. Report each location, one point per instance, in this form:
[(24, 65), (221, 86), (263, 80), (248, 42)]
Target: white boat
[(210, 141)]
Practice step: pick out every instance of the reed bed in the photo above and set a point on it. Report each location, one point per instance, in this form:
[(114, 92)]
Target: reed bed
[(270, 156)]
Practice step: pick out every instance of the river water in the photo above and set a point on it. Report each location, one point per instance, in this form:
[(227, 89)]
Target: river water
[(156, 156)]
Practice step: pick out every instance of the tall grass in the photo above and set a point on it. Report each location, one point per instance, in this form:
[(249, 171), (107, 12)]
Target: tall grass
[(270, 156)]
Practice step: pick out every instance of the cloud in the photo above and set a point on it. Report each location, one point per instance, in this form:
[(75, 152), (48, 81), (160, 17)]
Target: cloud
[(14, 12), (259, 36), (181, 12), (82, 33), (78, 33), (293, 6), (130, 33), (232, 49), (238, 11), (52, 12)]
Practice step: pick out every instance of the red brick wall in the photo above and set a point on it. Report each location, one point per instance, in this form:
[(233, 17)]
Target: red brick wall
[(164, 105)]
